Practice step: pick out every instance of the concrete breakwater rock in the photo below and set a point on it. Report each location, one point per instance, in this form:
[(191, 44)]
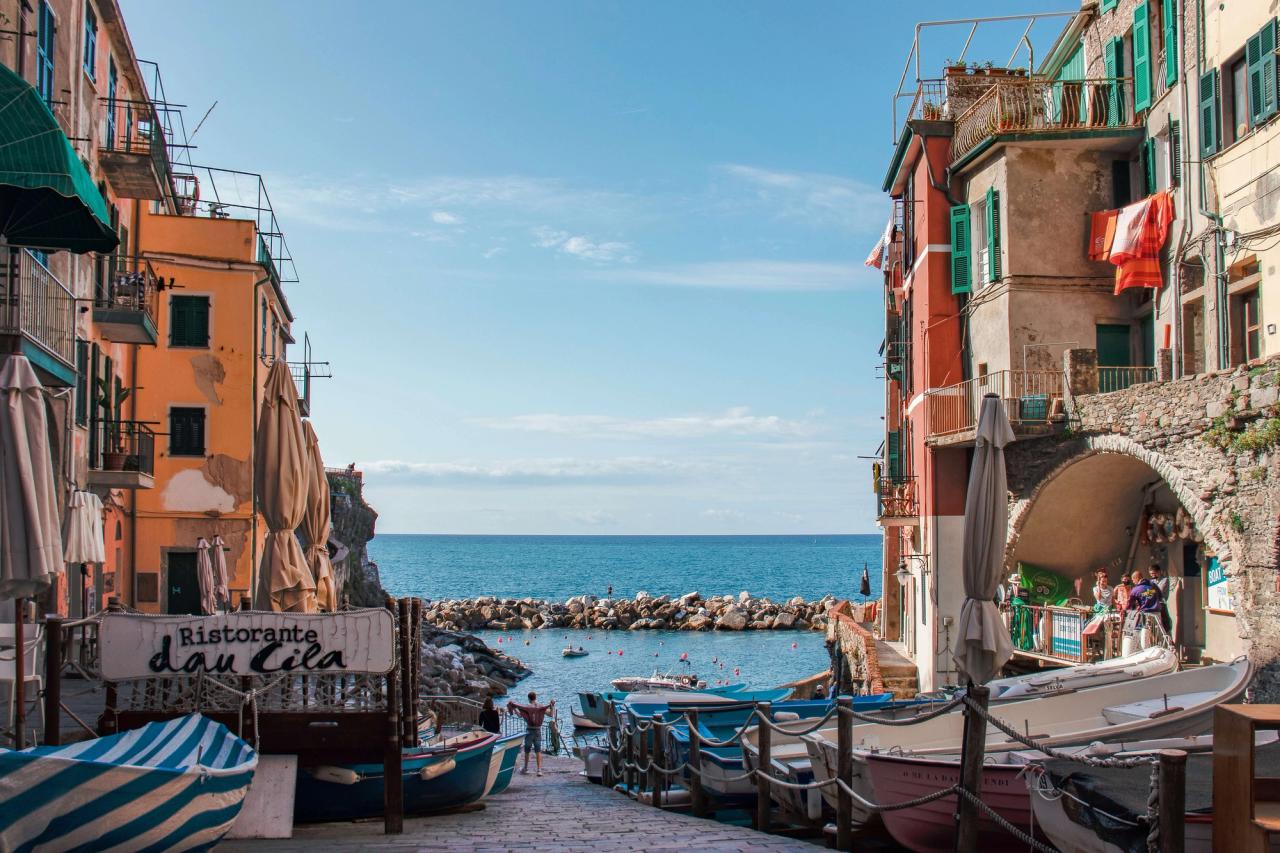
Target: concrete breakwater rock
[(689, 612), (457, 664)]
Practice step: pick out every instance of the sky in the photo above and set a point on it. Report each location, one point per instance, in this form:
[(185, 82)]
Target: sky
[(577, 267)]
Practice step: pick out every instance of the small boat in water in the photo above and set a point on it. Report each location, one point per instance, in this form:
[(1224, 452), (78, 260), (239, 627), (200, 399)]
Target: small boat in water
[(451, 773), (177, 785), (670, 681), (571, 652)]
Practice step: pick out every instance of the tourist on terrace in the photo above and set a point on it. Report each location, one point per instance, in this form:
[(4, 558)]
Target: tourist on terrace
[(1157, 577), (533, 714), (1102, 592), (1120, 598), (1146, 596)]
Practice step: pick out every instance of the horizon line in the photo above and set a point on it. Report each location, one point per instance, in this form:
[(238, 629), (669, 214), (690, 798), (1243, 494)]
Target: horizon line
[(605, 535)]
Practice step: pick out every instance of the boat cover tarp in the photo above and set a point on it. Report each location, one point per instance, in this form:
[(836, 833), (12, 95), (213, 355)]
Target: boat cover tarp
[(176, 785), (1112, 801)]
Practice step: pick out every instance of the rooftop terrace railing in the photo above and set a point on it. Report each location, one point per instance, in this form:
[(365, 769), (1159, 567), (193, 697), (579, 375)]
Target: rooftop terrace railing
[(1028, 397), (36, 305)]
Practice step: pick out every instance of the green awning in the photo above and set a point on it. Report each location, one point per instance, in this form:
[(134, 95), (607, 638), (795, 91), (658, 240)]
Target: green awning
[(47, 199)]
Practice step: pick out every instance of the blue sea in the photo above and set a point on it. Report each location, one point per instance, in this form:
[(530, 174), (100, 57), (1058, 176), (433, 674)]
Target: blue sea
[(558, 567)]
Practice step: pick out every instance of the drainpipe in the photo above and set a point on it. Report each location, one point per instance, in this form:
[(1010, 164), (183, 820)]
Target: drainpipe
[(1219, 251), (133, 498)]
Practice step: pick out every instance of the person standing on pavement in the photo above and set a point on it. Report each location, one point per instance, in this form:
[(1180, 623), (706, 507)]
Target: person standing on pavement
[(533, 714), (489, 719)]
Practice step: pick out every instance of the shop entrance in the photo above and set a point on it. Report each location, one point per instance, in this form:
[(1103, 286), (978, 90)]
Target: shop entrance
[(183, 585)]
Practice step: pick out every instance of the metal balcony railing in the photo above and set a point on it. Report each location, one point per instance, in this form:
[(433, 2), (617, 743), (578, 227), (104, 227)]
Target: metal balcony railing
[(1056, 632), (122, 446), (1119, 378), (897, 498), (127, 284), (1028, 397), (36, 305), (1034, 105), (142, 131)]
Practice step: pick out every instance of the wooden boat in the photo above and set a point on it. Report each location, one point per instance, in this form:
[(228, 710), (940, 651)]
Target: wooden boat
[(1066, 799), (574, 653), (502, 764), (443, 775), (106, 793), (582, 721), (1174, 705)]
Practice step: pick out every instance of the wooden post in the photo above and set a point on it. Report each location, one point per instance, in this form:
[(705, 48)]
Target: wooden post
[(392, 778), (416, 658), (697, 794), (656, 761), (973, 749), (1173, 800), (764, 740), (844, 772), (407, 716), (53, 681)]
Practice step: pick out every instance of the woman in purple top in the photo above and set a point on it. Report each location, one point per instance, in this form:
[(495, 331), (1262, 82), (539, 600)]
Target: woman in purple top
[(533, 714)]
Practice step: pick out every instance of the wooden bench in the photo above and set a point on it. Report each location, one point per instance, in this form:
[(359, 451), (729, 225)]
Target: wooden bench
[(1246, 806)]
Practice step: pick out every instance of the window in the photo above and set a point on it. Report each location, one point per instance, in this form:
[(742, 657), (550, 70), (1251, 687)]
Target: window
[(47, 31), (1209, 121), (1170, 9), (112, 86), (1108, 5), (981, 256), (1113, 70), (1175, 152), (961, 275), (189, 321), (1260, 54), (1249, 321), (186, 431), (82, 381), (1235, 123), (90, 43), (993, 235), (1141, 57), (262, 337), (1243, 280)]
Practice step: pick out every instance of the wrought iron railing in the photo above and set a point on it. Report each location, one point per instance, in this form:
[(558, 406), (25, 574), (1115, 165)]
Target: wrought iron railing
[(1034, 105), (1113, 378), (122, 446), (1028, 397), (930, 103), (136, 127), (897, 497), (128, 283), (36, 305)]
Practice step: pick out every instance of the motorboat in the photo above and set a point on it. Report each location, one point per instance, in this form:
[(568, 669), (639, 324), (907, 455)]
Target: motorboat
[(571, 652), (595, 704), (1177, 704), (582, 721), (668, 681), (106, 792)]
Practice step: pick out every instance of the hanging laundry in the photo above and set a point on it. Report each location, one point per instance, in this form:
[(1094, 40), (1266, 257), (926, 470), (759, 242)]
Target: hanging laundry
[(1102, 231), (1141, 230), (879, 254)]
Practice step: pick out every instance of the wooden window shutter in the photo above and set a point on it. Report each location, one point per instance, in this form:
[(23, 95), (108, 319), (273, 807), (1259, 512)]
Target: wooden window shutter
[(1141, 58), (200, 320), (1170, 8), (1209, 112), (893, 449), (961, 236), (108, 373), (1148, 152), (1108, 5), (1113, 70), (1260, 56), (1175, 152), (993, 234), (177, 321)]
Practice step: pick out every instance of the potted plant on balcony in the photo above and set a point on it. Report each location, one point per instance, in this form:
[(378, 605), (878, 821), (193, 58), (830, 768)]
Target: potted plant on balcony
[(932, 112), (114, 457), (957, 68)]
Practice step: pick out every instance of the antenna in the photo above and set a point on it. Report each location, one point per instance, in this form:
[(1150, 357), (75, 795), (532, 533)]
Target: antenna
[(200, 124)]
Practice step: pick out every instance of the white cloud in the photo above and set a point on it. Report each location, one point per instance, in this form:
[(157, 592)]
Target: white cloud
[(814, 197), (444, 217), (723, 514), (581, 246), (627, 470), (753, 275), (736, 421)]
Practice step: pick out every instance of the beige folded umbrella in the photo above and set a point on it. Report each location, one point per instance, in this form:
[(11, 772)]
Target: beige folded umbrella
[(220, 578), (83, 532), (204, 574), (316, 524), (284, 582)]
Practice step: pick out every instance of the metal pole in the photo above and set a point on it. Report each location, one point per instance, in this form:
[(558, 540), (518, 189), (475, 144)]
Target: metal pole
[(19, 686), (629, 757), (973, 749), (1173, 800), (844, 772), (611, 753), (697, 795), (655, 777), (764, 738), (642, 776), (53, 681)]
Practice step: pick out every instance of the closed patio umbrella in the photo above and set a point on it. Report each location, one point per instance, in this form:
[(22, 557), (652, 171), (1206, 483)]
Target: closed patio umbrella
[(220, 577), (83, 534), (316, 524), (982, 641), (284, 582), (204, 574)]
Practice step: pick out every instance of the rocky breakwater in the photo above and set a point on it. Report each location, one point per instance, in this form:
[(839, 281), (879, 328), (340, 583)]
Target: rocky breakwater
[(689, 612), (457, 664)]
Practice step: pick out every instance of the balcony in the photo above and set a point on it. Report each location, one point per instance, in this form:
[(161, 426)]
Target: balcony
[(39, 310), (127, 300), (898, 506), (132, 149), (1051, 634), (301, 372), (122, 455), (1032, 399), (1022, 107)]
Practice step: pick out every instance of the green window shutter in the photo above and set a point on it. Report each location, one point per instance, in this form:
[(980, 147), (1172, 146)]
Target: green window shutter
[(1170, 41), (893, 450), (1209, 112), (1175, 152), (1148, 156), (1108, 5), (961, 236), (993, 234), (108, 373), (1260, 54), (189, 321), (177, 321), (1141, 58), (1113, 65), (200, 321)]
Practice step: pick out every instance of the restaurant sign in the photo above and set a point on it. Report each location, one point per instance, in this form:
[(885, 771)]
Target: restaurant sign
[(135, 645)]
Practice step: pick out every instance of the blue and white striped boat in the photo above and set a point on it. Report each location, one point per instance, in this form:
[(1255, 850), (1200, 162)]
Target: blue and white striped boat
[(170, 786)]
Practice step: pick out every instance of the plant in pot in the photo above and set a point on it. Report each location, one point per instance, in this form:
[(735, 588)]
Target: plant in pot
[(113, 451), (956, 68), (932, 112)]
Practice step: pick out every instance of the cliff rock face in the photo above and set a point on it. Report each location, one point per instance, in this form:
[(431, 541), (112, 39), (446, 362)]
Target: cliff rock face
[(353, 526)]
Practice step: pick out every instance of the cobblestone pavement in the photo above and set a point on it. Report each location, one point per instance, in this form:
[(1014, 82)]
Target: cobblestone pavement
[(559, 811)]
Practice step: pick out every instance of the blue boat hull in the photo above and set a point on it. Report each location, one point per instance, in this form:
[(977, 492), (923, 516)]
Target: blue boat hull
[(506, 752), (320, 800)]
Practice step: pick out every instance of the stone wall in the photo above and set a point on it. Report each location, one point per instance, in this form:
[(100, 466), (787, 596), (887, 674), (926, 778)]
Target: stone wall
[(1215, 440)]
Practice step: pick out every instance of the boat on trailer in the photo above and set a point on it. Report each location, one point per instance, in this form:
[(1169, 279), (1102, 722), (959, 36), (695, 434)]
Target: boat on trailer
[(176, 785)]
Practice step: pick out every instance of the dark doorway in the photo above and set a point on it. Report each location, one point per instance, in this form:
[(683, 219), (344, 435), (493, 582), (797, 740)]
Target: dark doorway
[(183, 583)]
